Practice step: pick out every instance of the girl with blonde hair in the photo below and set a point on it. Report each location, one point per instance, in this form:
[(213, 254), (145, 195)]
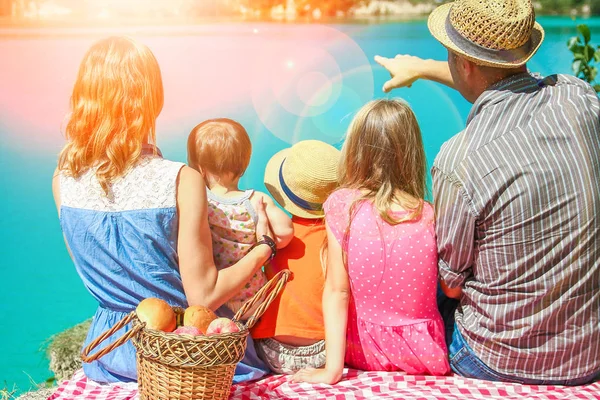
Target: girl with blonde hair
[(136, 224), (379, 301)]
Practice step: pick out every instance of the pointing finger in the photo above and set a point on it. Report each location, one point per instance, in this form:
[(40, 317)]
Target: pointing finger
[(381, 61), (389, 85)]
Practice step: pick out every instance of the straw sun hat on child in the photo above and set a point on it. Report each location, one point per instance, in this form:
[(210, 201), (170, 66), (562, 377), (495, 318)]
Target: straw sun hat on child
[(300, 178), (494, 33)]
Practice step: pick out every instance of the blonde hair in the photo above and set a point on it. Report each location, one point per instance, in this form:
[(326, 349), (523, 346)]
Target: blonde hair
[(116, 99), (383, 157), (219, 146)]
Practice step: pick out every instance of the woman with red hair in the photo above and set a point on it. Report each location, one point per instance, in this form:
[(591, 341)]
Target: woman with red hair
[(136, 224)]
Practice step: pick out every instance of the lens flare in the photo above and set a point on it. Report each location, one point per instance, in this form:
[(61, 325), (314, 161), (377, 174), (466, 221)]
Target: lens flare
[(331, 126), (314, 89), (299, 81), (305, 91)]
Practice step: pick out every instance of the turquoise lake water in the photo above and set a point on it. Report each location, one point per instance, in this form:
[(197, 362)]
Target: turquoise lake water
[(283, 82)]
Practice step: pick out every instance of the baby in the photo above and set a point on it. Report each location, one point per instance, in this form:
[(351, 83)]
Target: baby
[(220, 150)]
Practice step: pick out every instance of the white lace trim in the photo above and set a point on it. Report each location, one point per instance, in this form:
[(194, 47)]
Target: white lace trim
[(150, 184)]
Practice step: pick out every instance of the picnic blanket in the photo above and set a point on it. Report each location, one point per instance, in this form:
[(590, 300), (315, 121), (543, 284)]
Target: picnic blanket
[(355, 385)]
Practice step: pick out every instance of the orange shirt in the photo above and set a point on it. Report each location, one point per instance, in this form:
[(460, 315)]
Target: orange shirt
[(297, 311)]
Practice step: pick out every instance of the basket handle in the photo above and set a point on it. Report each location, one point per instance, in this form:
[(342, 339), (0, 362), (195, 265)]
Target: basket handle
[(85, 354), (272, 289)]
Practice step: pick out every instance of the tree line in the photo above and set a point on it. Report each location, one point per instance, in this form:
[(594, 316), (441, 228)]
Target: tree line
[(565, 6), (332, 6), (327, 7)]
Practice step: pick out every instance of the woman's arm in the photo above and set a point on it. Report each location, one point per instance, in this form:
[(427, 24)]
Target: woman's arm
[(56, 189), (405, 70), (202, 282), (280, 223), (56, 195), (336, 296)]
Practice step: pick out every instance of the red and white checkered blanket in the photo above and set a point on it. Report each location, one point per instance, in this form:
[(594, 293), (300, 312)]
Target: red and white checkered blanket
[(355, 385)]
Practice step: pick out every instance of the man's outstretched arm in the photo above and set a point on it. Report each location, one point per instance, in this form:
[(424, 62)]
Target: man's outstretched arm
[(405, 70)]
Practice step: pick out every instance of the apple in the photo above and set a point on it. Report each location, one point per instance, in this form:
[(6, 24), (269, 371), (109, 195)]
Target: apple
[(221, 325), (188, 330)]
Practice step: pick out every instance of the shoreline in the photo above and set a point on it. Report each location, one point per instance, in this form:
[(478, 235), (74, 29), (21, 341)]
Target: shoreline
[(182, 15), (176, 27), (79, 22)]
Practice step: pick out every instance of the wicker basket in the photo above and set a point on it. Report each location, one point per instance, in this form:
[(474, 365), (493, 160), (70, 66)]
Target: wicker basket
[(184, 367)]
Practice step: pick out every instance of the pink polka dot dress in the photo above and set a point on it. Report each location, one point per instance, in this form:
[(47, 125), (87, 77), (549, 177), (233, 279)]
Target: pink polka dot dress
[(393, 320)]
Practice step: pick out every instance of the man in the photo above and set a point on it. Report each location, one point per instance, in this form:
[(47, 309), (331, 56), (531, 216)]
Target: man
[(517, 199)]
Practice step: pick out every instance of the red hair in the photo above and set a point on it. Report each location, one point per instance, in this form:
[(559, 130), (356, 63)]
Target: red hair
[(219, 146), (116, 99)]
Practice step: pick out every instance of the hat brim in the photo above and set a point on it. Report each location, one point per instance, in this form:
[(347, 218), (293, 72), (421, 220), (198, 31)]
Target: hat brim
[(437, 27), (274, 187)]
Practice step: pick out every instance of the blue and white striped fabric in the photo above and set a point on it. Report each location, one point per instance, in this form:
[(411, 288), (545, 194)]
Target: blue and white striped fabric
[(124, 247), (517, 198)]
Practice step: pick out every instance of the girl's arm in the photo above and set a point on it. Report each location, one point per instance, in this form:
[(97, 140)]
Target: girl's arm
[(336, 296), (280, 223), (202, 282)]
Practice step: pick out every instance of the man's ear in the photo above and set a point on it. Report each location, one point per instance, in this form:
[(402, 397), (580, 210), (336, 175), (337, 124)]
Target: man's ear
[(468, 67)]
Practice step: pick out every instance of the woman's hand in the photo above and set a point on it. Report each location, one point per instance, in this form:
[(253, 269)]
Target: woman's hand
[(262, 223), (321, 375), (279, 222), (202, 282)]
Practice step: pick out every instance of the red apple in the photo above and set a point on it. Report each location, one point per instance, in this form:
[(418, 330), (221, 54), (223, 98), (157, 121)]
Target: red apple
[(188, 330), (221, 325)]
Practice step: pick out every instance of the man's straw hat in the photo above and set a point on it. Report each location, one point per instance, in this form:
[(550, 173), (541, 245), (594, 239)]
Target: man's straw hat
[(300, 178), (495, 33)]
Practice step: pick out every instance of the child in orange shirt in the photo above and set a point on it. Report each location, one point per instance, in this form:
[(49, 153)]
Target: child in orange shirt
[(290, 335)]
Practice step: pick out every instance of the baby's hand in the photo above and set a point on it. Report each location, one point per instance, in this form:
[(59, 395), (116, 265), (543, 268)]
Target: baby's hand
[(262, 223)]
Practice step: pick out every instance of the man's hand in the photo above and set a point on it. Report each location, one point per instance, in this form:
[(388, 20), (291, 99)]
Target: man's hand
[(403, 69), (453, 293), (320, 375)]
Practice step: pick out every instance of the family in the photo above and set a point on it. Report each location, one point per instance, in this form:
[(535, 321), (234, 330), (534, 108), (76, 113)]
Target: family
[(499, 279)]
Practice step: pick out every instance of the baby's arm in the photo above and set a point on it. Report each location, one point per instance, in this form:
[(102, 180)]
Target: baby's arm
[(280, 223)]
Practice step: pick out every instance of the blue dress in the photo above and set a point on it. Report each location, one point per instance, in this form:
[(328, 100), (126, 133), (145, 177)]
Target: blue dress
[(124, 247)]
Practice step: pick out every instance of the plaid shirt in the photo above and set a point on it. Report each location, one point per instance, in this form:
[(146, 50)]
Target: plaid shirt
[(517, 198)]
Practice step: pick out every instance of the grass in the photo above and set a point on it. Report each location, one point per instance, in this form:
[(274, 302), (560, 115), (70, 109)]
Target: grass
[(37, 391), (64, 350), (8, 394)]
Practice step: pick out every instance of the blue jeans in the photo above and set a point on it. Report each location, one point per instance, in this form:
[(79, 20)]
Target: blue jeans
[(447, 307), (464, 362)]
